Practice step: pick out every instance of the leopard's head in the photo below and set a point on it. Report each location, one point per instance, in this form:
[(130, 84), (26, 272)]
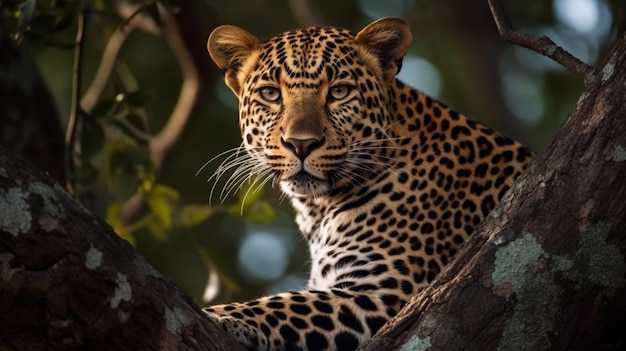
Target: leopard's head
[(314, 104)]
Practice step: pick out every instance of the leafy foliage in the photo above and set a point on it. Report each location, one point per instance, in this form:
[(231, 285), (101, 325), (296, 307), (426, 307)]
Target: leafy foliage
[(37, 21), (112, 141)]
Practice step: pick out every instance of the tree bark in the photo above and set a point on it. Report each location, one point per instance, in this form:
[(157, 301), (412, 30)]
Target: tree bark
[(546, 270), (68, 282)]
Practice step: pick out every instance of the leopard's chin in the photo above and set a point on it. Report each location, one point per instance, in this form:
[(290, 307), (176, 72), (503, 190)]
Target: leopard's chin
[(304, 184)]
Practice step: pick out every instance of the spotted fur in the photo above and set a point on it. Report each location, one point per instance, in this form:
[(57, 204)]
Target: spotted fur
[(385, 181)]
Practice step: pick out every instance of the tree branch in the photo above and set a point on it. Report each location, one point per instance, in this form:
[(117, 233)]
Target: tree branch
[(68, 282), (134, 20), (74, 122), (107, 63), (162, 143), (542, 45)]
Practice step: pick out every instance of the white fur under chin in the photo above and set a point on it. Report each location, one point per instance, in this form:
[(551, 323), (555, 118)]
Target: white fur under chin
[(310, 188)]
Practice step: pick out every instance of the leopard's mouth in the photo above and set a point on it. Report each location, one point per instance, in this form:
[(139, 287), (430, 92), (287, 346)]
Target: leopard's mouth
[(305, 184), (303, 176)]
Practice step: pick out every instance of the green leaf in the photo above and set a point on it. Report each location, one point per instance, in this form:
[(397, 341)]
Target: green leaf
[(192, 215), (162, 208), (161, 200), (167, 192), (116, 162), (158, 230), (148, 182), (126, 166), (130, 237)]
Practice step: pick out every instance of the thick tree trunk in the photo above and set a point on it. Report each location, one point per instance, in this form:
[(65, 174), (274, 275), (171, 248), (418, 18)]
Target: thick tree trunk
[(546, 270), (68, 282)]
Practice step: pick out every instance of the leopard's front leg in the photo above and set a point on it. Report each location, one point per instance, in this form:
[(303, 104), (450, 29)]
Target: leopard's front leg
[(307, 320)]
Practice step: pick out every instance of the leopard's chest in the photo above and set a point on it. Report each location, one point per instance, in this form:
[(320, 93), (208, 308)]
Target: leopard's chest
[(394, 233), (344, 245)]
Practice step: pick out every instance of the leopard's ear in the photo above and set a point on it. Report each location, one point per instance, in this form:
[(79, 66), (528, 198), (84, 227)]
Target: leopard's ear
[(389, 40), (230, 48)]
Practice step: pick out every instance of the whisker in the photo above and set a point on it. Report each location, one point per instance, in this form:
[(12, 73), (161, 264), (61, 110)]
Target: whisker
[(243, 163), (268, 176), (350, 177), (236, 180), (243, 174), (226, 163), (234, 150), (252, 189), (246, 165), (282, 197)]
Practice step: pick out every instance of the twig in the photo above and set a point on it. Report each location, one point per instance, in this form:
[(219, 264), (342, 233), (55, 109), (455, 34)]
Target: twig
[(109, 57), (76, 112), (140, 20), (163, 142), (112, 50), (542, 45)]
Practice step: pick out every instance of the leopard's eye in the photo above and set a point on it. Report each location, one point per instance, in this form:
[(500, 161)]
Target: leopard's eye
[(270, 94), (339, 92)]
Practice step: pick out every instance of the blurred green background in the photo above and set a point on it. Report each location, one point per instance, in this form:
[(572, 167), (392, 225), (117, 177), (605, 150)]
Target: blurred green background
[(457, 56)]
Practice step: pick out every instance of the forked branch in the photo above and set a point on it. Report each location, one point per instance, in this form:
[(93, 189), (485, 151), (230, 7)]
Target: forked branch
[(542, 45)]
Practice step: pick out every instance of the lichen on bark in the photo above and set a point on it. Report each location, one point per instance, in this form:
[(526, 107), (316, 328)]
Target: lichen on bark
[(523, 267), (15, 216), (416, 343)]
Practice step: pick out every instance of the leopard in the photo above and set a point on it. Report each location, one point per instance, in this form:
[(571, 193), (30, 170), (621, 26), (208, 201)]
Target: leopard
[(385, 181)]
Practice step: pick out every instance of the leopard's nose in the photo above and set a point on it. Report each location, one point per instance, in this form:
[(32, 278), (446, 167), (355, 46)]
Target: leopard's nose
[(302, 147)]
